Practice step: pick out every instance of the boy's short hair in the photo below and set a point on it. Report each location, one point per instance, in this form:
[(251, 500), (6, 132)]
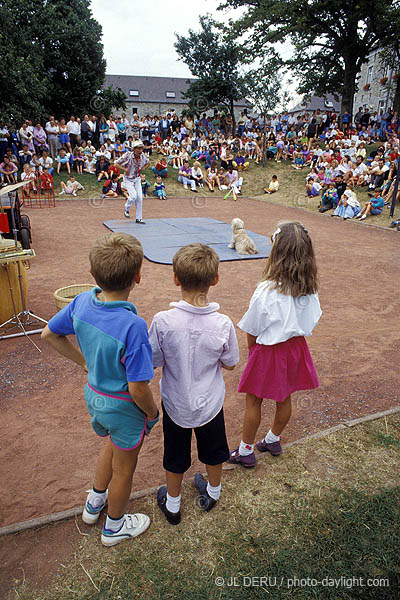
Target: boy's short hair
[(115, 259), (196, 266)]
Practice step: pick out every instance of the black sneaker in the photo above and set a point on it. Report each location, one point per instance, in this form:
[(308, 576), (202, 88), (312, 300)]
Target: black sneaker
[(205, 501), (172, 518), (393, 224), (140, 221), (126, 214)]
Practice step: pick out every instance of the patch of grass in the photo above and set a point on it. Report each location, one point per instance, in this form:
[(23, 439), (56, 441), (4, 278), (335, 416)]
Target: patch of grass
[(327, 511)]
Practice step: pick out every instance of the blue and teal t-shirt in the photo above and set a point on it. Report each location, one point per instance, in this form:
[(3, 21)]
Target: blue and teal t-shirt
[(113, 339)]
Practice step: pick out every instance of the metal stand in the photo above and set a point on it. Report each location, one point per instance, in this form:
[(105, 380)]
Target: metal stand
[(22, 319)]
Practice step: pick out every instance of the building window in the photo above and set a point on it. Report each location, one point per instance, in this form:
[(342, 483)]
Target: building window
[(369, 74), (134, 110), (170, 94), (133, 93)]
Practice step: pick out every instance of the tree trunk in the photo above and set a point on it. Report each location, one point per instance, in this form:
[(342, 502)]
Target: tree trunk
[(264, 155), (232, 115), (349, 83)]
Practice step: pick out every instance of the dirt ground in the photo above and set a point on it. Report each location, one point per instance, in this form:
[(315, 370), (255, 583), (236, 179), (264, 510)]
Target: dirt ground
[(48, 449)]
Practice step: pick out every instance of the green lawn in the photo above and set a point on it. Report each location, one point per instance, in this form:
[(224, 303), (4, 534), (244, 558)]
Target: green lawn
[(320, 522)]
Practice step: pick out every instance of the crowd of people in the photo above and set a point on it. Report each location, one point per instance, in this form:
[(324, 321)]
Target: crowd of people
[(211, 151)]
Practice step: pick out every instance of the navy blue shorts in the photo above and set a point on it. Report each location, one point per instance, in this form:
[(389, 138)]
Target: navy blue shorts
[(212, 445)]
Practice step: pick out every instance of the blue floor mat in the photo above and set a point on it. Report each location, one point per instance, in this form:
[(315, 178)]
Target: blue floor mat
[(162, 238)]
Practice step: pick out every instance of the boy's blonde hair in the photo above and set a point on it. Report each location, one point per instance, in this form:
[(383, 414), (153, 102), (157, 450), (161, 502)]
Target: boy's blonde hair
[(115, 260), (196, 266)]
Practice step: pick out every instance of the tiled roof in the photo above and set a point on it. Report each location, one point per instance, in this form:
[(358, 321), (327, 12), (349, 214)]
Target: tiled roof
[(317, 102), (153, 89)]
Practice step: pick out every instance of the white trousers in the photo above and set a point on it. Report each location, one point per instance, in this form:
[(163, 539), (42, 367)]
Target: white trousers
[(134, 189)]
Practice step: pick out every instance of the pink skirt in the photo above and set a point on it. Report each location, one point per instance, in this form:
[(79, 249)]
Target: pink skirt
[(277, 371)]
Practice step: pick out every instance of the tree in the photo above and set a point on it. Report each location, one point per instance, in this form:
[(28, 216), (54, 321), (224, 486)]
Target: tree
[(214, 58), (51, 58), (262, 87), (331, 39)]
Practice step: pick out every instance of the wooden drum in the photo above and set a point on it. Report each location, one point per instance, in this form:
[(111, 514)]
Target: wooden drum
[(6, 304)]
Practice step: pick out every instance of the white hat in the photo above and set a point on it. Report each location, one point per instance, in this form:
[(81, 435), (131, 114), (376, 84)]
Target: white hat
[(137, 144)]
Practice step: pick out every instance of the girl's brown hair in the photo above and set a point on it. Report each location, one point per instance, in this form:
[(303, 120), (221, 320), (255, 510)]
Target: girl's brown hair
[(291, 266)]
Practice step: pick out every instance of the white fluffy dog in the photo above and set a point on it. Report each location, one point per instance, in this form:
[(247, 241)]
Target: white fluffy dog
[(241, 242)]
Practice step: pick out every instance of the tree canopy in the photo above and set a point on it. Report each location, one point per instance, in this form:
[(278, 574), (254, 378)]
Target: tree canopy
[(331, 39), (51, 59), (214, 58)]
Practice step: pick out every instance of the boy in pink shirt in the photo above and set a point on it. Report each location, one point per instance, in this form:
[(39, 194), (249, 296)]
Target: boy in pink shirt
[(192, 342)]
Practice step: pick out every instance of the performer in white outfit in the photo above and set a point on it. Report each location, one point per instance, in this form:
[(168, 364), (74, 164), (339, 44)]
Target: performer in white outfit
[(133, 164)]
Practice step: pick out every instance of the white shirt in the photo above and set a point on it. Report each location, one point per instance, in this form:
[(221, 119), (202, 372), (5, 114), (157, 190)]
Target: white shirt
[(190, 343), (48, 163), (274, 318), (74, 127)]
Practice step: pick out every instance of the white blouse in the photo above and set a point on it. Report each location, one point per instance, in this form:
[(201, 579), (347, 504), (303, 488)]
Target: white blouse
[(274, 317)]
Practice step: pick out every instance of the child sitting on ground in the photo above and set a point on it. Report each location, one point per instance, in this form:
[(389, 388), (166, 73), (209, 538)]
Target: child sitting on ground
[(313, 187), (330, 198), (192, 385), (373, 207), (160, 168), (273, 185), (159, 189), (145, 185), (112, 187), (71, 187), (114, 350)]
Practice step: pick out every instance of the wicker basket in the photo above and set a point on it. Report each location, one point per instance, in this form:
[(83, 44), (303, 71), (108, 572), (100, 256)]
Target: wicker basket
[(65, 295)]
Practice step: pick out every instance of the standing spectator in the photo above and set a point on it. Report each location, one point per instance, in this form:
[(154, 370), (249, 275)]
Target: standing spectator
[(4, 135), (26, 137), (95, 131), (39, 139), (112, 129), (73, 132), (64, 137), (164, 127), (86, 129), (103, 129), (52, 131), (121, 129)]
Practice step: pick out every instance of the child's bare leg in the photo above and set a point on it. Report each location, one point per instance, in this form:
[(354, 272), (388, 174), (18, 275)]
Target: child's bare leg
[(174, 483), (214, 473), (283, 412), (252, 418), (123, 467), (104, 467)]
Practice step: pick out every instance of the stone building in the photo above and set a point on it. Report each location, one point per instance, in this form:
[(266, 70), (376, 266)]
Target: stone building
[(156, 95), (376, 85)]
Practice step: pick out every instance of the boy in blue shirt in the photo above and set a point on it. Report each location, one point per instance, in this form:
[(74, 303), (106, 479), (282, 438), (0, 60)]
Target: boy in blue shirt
[(373, 207), (115, 351)]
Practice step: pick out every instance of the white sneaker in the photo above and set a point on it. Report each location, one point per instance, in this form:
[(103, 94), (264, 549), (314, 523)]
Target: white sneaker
[(74, 193), (185, 186), (133, 526), (363, 217), (92, 509), (61, 193)]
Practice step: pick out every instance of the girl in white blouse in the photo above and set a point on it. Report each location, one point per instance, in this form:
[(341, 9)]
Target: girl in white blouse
[(284, 308)]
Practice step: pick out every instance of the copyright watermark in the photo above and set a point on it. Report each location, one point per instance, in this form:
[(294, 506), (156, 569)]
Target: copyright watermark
[(267, 581)]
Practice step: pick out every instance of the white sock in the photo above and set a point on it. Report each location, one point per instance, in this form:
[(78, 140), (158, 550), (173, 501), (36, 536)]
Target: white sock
[(245, 449), (114, 524), (173, 503), (96, 499), (214, 492), (270, 438)]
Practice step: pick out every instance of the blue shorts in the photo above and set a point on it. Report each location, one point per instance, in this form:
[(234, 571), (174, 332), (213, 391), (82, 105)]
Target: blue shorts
[(122, 420), (64, 138), (376, 211)]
